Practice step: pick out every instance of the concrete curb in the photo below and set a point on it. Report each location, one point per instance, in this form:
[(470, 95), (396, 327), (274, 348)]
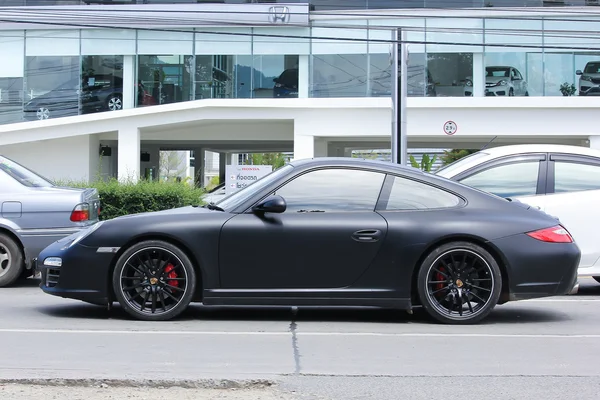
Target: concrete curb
[(151, 383)]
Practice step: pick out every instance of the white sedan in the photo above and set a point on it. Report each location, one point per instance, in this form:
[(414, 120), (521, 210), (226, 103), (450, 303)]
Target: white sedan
[(563, 181)]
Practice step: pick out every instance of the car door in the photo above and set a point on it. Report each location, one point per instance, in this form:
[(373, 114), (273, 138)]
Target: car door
[(522, 177), (574, 197), (327, 237)]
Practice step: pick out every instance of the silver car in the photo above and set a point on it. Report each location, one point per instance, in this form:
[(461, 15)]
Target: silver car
[(501, 81), (34, 213), (589, 79)]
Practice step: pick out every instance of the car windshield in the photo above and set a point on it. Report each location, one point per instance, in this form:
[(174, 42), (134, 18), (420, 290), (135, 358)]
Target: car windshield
[(237, 198), (497, 72), (22, 174), (449, 169), (592, 68)]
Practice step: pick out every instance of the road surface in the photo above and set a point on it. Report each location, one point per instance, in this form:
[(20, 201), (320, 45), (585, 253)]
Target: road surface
[(537, 349)]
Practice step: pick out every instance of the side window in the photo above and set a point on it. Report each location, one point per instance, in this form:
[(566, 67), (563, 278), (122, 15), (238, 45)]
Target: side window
[(333, 190), (407, 194), (507, 180), (573, 177)]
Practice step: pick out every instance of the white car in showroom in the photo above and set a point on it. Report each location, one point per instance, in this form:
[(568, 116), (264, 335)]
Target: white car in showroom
[(563, 181)]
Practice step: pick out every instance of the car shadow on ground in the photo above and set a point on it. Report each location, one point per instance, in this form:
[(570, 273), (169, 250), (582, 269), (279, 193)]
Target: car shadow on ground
[(501, 314)]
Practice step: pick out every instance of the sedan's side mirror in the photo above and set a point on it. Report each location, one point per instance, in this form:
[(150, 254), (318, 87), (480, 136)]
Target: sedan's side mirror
[(272, 204), (578, 72)]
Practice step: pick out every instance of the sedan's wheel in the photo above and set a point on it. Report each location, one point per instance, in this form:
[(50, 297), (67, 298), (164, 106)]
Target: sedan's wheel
[(114, 103), (459, 283), (154, 281), (511, 92), (11, 261), (42, 113)]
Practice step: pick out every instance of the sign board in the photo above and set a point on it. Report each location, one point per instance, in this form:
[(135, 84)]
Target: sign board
[(450, 128), (239, 176)]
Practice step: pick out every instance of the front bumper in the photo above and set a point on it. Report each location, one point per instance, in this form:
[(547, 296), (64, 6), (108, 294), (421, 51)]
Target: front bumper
[(538, 269), (84, 273)]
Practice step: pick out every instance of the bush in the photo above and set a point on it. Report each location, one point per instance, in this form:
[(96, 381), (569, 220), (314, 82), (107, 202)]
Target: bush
[(131, 198)]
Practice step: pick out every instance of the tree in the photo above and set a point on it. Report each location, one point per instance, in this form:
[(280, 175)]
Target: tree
[(172, 165), (274, 159), (450, 156)]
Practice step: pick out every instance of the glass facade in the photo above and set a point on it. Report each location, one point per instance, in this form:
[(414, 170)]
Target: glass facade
[(327, 5), (57, 73)]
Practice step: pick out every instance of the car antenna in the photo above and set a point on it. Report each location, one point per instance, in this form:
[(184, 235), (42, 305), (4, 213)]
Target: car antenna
[(488, 143)]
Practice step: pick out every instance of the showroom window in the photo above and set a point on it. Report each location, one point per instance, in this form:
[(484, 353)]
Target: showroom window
[(333, 190), (407, 194), (573, 177), (507, 180), (164, 79)]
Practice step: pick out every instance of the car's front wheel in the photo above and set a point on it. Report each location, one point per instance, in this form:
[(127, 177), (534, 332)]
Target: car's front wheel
[(154, 281), (459, 283)]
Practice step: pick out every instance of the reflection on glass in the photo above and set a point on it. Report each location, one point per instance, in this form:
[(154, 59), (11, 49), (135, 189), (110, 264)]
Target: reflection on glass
[(572, 177), (587, 68), (214, 77), (419, 81), (451, 73), (274, 76), (11, 100), (164, 79), (508, 180), (52, 87), (407, 194), (339, 75), (332, 190), (559, 74), (101, 83)]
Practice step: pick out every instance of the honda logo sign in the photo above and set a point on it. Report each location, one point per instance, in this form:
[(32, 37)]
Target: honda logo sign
[(279, 14)]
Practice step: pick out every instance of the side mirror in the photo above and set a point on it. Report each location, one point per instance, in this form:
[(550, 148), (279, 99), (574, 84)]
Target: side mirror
[(272, 204), (276, 80), (578, 72)]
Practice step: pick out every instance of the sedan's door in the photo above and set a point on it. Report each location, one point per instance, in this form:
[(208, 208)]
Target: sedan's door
[(574, 197), (327, 237)]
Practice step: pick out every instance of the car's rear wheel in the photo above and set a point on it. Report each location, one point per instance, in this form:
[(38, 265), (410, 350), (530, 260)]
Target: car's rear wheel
[(114, 103), (459, 283), (11, 261), (154, 281)]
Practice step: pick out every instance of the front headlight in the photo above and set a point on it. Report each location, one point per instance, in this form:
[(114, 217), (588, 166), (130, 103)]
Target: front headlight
[(502, 83), (83, 234), (586, 78)]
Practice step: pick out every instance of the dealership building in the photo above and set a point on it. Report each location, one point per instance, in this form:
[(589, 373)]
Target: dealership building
[(90, 87)]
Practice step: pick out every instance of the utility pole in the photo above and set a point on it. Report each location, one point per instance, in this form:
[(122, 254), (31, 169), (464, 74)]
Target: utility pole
[(399, 67)]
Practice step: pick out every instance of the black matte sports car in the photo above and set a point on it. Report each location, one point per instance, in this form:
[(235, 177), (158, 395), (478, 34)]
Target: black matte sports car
[(323, 232)]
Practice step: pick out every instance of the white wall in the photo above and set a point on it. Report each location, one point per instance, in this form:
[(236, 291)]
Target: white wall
[(75, 158)]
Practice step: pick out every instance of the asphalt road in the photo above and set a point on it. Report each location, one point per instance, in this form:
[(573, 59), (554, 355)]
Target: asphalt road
[(537, 349)]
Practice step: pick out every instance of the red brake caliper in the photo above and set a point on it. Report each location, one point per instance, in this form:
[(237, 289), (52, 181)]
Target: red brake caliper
[(171, 275), (440, 277)]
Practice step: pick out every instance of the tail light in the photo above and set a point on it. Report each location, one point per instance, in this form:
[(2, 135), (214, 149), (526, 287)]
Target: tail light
[(556, 234), (81, 212)]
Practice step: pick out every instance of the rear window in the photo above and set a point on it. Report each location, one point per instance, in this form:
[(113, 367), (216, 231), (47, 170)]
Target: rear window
[(22, 174)]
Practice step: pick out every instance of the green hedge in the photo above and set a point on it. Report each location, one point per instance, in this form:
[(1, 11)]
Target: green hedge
[(130, 198)]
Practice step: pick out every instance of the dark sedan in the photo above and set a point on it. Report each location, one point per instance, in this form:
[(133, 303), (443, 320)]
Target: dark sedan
[(323, 232)]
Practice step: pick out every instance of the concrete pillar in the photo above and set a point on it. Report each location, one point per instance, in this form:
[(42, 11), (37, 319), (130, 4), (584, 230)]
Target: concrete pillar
[(306, 146), (199, 167), (303, 76), (595, 142), (129, 154), (347, 152), (95, 171), (222, 164), (129, 82), (478, 75)]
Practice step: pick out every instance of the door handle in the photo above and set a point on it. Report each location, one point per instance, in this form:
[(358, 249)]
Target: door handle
[(367, 235)]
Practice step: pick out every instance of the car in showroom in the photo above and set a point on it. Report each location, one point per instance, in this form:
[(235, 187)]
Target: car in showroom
[(322, 232), (589, 79), (561, 180), (98, 93), (35, 212), (501, 81)]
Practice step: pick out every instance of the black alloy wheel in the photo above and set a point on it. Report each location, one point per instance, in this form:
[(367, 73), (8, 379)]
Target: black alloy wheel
[(459, 283), (154, 281)]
